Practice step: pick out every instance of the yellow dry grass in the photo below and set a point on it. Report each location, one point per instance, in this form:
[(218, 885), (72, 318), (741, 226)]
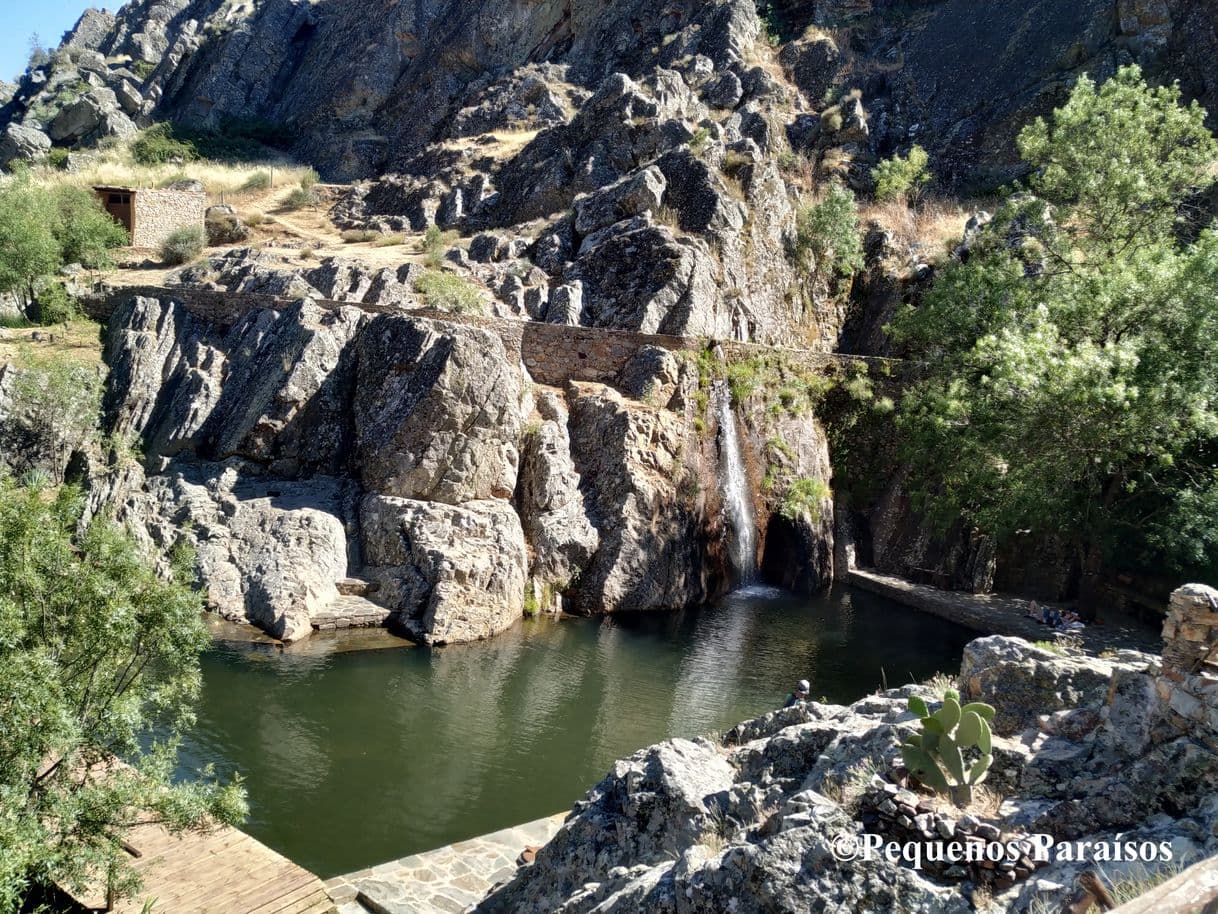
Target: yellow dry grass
[(935, 225), (115, 166)]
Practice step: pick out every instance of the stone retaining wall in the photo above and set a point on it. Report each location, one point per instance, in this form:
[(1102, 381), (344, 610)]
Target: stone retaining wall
[(1188, 685), (553, 353)]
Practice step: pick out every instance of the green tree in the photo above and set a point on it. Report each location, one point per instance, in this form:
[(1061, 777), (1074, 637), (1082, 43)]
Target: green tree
[(828, 232), (86, 232), (41, 229), (902, 178), (1071, 361), (29, 250), (99, 661)]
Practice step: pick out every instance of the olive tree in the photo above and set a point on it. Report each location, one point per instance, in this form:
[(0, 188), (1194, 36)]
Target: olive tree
[(99, 665)]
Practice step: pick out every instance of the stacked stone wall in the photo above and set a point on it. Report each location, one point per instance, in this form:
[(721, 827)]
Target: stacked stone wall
[(158, 213), (1188, 684), (554, 354)]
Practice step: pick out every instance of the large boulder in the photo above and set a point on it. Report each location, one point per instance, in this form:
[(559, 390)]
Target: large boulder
[(438, 414), (450, 573), (269, 552), (1023, 682), (19, 143), (643, 500), (634, 195), (286, 401)]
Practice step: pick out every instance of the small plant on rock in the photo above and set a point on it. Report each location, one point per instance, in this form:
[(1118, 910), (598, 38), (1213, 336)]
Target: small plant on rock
[(902, 178), (953, 752)]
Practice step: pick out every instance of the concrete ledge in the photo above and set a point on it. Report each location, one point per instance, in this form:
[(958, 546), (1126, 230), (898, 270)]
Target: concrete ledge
[(992, 614)]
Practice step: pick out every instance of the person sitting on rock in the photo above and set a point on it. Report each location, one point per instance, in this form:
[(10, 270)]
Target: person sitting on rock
[(800, 695)]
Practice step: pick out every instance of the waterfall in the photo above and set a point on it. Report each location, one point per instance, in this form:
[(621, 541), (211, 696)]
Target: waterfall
[(737, 496)]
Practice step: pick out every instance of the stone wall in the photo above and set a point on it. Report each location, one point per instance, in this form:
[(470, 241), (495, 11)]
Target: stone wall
[(1188, 684), (157, 213)]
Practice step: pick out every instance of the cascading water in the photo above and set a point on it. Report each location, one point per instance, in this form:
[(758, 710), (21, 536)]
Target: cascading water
[(737, 496)]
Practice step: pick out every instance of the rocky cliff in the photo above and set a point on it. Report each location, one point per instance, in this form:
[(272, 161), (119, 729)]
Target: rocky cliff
[(772, 818), (330, 466), (960, 76)]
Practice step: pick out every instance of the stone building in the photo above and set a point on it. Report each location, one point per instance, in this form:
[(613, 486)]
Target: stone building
[(150, 215)]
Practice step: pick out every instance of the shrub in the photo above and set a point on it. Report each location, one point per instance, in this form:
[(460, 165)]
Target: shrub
[(697, 142), (158, 145), (902, 178), (299, 198), (448, 292), (59, 398), (433, 246), (225, 228), (142, 68), (388, 241), (53, 305), (183, 246), (357, 236), (254, 218), (310, 179), (58, 159), (259, 180), (828, 232)]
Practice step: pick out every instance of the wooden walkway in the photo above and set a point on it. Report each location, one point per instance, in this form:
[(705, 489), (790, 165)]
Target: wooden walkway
[(223, 871)]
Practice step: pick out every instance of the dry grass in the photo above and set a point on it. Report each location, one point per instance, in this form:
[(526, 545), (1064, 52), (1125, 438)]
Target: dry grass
[(80, 339), (498, 144), (115, 166), (932, 228)]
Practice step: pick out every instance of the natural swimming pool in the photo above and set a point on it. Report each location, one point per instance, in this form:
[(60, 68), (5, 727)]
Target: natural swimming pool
[(355, 758)]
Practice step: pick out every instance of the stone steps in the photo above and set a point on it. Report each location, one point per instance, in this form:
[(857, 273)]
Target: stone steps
[(350, 611)]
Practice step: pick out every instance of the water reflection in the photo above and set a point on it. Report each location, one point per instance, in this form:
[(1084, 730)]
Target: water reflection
[(352, 759)]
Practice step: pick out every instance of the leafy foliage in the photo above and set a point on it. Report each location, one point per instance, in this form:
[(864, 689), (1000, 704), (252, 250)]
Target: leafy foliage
[(902, 178), (1072, 360), (57, 398), (98, 662), (43, 229), (804, 499), (828, 232), (448, 292), (158, 145)]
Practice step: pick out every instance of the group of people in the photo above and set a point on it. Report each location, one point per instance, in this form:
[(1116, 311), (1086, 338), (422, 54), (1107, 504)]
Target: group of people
[(1058, 620)]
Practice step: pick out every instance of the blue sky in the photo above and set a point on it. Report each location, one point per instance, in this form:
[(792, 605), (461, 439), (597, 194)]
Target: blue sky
[(19, 19)]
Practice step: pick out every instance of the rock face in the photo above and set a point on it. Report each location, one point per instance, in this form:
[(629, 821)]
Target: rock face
[(269, 552), (451, 574), (641, 500), (438, 415), (757, 824), (461, 491)]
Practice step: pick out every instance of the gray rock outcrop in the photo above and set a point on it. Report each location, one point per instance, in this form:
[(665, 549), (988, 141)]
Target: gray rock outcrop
[(450, 573), (757, 824)]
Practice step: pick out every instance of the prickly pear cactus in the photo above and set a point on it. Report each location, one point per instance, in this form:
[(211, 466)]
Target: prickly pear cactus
[(941, 756)]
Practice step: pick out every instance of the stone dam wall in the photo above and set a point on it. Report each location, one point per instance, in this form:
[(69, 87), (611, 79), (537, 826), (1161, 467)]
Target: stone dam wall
[(553, 353)]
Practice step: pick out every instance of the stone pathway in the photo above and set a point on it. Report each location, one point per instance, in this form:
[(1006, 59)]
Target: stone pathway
[(994, 614), (447, 880)]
